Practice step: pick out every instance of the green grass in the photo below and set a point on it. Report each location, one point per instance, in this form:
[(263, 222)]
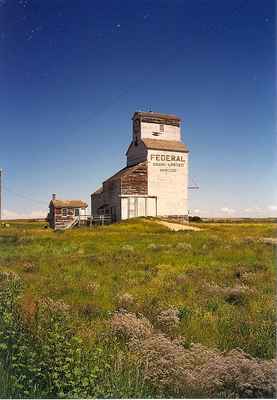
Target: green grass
[(146, 260), (6, 385)]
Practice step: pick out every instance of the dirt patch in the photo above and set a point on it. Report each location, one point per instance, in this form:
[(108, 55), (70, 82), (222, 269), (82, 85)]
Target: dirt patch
[(174, 226)]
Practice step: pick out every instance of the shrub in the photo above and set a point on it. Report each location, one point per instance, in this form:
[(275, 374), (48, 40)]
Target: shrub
[(232, 295), (247, 273), (236, 374), (168, 320), (89, 310), (198, 371), (235, 295), (163, 364), (67, 367), (125, 301), (44, 358), (129, 326), (30, 267), (151, 306), (195, 218), (53, 308)]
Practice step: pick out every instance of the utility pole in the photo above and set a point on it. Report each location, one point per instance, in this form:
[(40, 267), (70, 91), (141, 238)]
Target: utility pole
[(1, 172)]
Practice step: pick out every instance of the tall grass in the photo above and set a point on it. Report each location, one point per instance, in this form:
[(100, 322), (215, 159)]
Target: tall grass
[(146, 261), (215, 287)]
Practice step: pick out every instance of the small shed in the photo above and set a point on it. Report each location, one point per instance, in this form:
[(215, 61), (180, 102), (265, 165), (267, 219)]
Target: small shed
[(64, 214)]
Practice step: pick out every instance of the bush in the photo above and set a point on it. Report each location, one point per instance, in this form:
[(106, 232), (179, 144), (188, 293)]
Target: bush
[(128, 326), (44, 358), (90, 310), (125, 301), (195, 218), (200, 372), (168, 320), (236, 295), (30, 267)]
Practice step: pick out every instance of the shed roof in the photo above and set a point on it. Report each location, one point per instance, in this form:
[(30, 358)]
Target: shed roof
[(125, 171), (156, 144), (99, 190), (119, 174), (69, 203)]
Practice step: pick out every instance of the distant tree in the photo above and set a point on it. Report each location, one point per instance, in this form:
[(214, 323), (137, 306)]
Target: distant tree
[(195, 218)]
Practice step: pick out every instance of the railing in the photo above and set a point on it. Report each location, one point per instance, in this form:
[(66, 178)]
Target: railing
[(99, 220), (95, 219), (89, 220)]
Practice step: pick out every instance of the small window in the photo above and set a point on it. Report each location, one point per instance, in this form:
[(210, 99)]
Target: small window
[(64, 212), (161, 128), (77, 212)]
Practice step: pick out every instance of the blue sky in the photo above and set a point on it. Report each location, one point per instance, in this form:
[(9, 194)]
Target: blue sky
[(73, 72)]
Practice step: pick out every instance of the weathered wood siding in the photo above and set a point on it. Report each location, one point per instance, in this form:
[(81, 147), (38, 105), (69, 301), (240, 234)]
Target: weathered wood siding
[(135, 182), (59, 218), (149, 130), (96, 202)]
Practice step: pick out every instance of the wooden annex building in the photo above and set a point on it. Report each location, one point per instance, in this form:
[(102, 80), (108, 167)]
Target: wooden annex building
[(127, 187), (64, 214)]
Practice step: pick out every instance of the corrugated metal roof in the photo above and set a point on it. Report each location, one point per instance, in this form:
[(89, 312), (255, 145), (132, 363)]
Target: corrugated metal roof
[(69, 203), (156, 144)]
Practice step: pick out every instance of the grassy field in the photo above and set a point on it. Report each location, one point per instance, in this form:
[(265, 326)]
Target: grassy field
[(220, 281)]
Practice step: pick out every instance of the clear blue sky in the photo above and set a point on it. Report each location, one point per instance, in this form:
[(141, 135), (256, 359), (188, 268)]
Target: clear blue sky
[(73, 72)]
